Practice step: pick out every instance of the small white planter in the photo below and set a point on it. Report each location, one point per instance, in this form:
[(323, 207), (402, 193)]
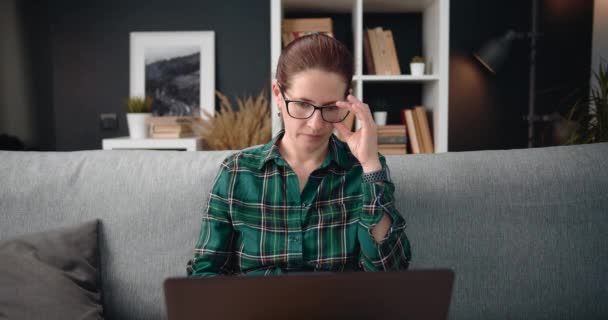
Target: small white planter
[(417, 68), (380, 117), (138, 129)]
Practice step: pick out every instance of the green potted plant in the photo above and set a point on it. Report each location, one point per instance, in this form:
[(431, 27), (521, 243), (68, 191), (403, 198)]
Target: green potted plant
[(138, 111), (417, 66), (591, 114)]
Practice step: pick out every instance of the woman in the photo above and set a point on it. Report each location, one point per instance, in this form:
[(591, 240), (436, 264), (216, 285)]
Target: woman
[(305, 201)]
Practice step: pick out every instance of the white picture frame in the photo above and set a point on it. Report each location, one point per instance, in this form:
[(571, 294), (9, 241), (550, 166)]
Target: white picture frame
[(148, 47)]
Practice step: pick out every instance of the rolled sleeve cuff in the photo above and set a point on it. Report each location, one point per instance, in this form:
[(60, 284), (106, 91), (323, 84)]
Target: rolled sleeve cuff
[(374, 203)]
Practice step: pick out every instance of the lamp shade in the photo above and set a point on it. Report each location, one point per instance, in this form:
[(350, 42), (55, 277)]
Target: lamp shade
[(494, 52)]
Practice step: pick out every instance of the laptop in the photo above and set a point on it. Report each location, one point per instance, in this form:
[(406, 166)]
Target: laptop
[(414, 294)]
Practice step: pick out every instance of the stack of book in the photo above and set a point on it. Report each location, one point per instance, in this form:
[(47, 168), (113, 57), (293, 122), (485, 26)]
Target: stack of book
[(380, 52), (418, 130), (392, 139), (170, 127), (295, 28)]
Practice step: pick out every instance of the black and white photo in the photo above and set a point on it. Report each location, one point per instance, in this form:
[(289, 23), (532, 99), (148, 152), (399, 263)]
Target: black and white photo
[(176, 69)]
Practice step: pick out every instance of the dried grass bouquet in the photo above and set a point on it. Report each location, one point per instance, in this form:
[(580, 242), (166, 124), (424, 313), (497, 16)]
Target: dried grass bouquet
[(236, 129)]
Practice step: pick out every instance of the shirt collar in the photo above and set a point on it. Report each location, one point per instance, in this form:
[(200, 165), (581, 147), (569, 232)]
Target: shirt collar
[(338, 152)]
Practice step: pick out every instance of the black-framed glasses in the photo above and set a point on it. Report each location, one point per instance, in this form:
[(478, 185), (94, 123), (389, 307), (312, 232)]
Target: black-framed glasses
[(304, 110)]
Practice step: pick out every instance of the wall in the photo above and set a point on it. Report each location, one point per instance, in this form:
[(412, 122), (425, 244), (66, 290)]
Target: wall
[(89, 50), (486, 110), (79, 55), (17, 117), (600, 34)]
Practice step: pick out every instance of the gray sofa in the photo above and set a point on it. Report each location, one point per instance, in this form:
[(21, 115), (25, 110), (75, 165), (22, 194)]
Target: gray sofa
[(525, 231)]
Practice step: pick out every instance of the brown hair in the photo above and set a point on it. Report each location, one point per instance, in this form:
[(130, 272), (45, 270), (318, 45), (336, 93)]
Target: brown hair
[(315, 51)]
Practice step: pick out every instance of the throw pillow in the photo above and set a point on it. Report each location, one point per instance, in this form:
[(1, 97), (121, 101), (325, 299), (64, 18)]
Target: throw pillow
[(51, 275)]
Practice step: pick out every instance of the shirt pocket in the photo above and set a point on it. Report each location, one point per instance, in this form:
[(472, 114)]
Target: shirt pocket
[(262, 235), (333, 231)]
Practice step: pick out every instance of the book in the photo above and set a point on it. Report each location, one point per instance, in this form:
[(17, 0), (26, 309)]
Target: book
[(392, 133), (367, 51), (392, 130), (397, 139), (292, 29), (382, 67), (375, 50), (411, 131), (391, 51), (392, 149), (307, 24), (288, 37), (392, 145), (168, 128), (392, 127), (167, 135), (418, 134), (172, 127), (392, 136), (425, 132), (169, 120)]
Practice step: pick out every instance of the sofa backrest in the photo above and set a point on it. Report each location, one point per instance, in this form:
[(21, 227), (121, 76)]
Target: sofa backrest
[(524, 230), (149, 203)]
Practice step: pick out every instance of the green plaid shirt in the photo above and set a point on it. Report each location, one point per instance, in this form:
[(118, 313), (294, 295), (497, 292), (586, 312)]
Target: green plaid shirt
[(258, 223)]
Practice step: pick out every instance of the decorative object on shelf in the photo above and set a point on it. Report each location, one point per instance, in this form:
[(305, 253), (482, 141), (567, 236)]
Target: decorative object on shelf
[(380, 117), (591, 114), (177, 69), (417, 66), (495, 52), (171, 127), (236, 128), (379, 110), (292, 29), (138, 110)]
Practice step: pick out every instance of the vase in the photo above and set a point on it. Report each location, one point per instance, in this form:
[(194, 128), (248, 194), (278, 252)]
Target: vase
[(380, 117), (138, 128), (417, 68)]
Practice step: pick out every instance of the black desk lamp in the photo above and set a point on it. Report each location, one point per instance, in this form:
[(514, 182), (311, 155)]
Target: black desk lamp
[(494, 53)]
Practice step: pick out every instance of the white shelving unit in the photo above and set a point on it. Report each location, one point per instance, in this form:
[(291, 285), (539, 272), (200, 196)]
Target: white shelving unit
[(435, 49)]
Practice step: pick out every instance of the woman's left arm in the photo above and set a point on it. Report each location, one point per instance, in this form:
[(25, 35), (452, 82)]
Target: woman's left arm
[(381, 234), (384, 245)]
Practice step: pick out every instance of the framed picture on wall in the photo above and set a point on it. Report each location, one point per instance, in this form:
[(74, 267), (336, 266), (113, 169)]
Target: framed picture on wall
[(176, 69)]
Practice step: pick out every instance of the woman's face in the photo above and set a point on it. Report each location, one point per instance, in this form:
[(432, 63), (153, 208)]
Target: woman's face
[(318, 87)]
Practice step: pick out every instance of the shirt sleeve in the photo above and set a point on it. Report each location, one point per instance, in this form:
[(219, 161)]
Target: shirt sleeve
[(393, 252), (213, 252)]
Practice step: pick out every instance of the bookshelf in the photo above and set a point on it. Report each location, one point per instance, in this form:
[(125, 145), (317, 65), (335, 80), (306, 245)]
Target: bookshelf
[(431, 19)]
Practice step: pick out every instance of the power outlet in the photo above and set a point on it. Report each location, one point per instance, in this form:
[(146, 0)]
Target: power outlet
[(108, 121)]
